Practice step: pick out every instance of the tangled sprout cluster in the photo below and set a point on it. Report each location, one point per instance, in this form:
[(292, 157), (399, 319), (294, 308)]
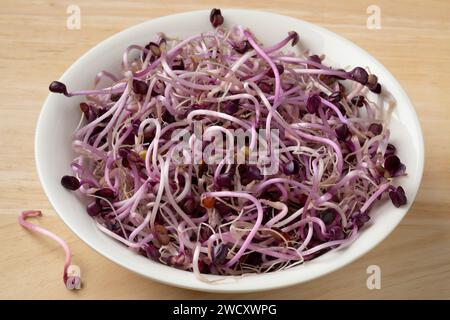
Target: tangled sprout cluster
[(335, 159)]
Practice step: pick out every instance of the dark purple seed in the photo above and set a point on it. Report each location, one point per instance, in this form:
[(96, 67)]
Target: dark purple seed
[(359, 101), (205, 234), (177, 260), (372, 81), (360, 75), (313, 103), (339, 77), (193, 208), (58, 87), (155, 92), (231, 170), (394, 198), (336, 233), (178, 64), (392, 164), (153, 59), (90, 114), (230, 107), (342, 132), (390, 150), (223, 209), (152, 252), (136, 123), (290, 168), (224, 181), (107, 212), (280, 70), (253, 259), (167, 117), (84, 107), (336, 198), (162, 234), (340, 88), (162, 41), (249, 173), (113, 225), (376, 89), (158, 90), (242, 47), (97, 130), (360, 219), (133, 156), (182, 114), (216, 18), (272, 193), (93, 138), (280, 236), (351, 158), (341, 108), (335, 97), (323, 95), (376, 128), (105, 193), (140, 87), (129, 140), (181, 180), (200, 106), (245, 180), (315, 58), (115, 97), (267, 213), (294, 36), (398, 197), (123, 152), (102, 111), (203, 267), (220, 253), (287, 86), (202, 169), (70, 182), (93, 209), (149, 135), (265, 87), (327, 216), (402, 195), (301, 200), (155, 49)]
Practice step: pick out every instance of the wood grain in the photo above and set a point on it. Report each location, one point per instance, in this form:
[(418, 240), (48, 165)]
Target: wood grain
[(36, 47)]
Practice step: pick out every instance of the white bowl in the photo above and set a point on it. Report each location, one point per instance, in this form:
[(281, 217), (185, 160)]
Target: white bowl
[(60, 116)]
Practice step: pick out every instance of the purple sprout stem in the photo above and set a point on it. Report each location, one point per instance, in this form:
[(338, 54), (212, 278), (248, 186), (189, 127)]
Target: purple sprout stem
[(257, 224)]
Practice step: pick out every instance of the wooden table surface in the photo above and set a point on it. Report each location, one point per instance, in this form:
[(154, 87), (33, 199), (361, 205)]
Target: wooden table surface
[(36, 48)]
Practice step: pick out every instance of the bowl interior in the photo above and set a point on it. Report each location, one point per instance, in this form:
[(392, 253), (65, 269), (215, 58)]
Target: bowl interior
[(60, 115)]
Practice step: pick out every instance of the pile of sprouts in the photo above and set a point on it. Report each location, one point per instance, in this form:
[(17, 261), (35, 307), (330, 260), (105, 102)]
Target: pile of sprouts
[(226, 218)]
